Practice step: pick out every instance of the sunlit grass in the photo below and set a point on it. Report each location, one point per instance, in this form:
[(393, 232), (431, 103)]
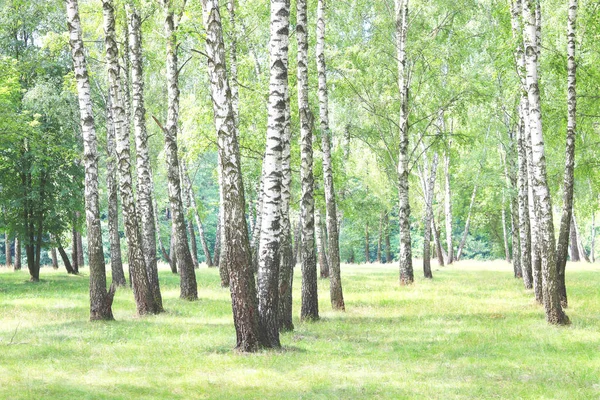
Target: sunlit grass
[(472, 332)]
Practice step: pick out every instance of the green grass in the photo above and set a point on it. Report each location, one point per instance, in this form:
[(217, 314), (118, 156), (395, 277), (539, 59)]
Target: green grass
[(472, 332)]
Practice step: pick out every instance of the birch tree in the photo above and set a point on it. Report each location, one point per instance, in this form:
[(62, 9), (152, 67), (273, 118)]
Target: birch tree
[(310, 303), (333, 237), (406, 268), (100, 299), (237, 256), (185, 263), (543, 201)]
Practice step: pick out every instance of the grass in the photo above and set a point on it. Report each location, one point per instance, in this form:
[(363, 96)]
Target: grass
[(472, 332)]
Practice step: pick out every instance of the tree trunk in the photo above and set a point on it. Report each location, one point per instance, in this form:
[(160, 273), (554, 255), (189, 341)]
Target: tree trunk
[(429, 193), (543, 201), (333, 236), (448, 208), (574, 248), (172, 251), (65, 260), (254, 242), (185, 264), (286, 269), (310, 303), (137, 264), (388, 256), (321, 245), (217, 251), (297, 240), (236, 257), (271, 226), (17, 254), (524, 215), (406, 268), (7, 249), (100, 299), (74, 252), (568, 178), (441, 253), (380, 238), (367, 250), (504, 233), (80, 258), (143, 168), (463, 239), (185, 197), (54, 257), (592, 242), (188, 186), (116, 261), (235, 103)]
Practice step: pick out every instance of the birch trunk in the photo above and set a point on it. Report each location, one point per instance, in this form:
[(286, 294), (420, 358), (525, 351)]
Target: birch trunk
[(116, 260), (310, 303), (580, 248), (380, 238), (333, 236), (592, 245), (448, 209), (427, 220), (190, 189), (543, 201), (74, 252), (524, 216), (568, 178), (187, 205), (157, 225), (80, 258), (286, 269), (143, 168), (185, 263), (463, 239), (173, 250), (367, 250), (137, 265), (100, 299), (233, 63), (321, 245), (7, 249), (388, 255), (406, 268), (269, 254), (17, 266), (237, 256), (256, 231)]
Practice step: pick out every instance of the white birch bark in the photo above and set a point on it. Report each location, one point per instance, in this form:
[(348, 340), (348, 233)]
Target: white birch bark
[(543, 201), (310, 303), (100, 298), (406, 268), (236, 255), (144, 177), (333, 237), (137, 264)]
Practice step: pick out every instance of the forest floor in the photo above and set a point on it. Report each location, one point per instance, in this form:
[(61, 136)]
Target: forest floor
[(472, 332)]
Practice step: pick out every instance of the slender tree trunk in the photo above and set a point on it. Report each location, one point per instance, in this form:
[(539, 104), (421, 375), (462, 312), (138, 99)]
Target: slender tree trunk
[(271, 228), (17, 254), (543, 201), (185, 197), (185, 263), (217, 252), (429, 193), (116, 261), (286, 269), (297, 240), (388, 255), (258, 223), (65, 259), (380, 238), (235, 103), (580, 248), (463, 239), (367, 250), (333, 236), (54, 258), (137, 264), (568, 178), (448, 209), (80, 258), (441, 253), (173, 251), (160, 242), (74, 250), (406, 268), (7, 248), (592, 242), (188, 186), (310, 303), (100, 299), (237, 257), (321, 245), (143, 168)]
